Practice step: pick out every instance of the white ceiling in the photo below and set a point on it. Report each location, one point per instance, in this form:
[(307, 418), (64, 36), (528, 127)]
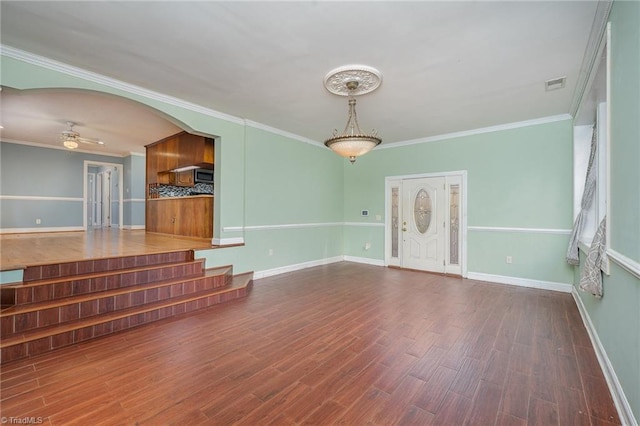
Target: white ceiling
[(447, 66)]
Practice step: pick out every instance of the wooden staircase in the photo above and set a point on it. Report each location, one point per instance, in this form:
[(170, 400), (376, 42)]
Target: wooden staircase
[(63, 304)]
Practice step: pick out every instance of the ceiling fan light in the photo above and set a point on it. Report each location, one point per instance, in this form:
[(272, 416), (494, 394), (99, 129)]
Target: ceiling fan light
[(71, 144)]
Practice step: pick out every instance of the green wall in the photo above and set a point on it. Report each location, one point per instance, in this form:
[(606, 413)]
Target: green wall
[(288, 199), (616, 317), (517, 178), (283, 197), (134, 191), (229, 131), (293, 205)]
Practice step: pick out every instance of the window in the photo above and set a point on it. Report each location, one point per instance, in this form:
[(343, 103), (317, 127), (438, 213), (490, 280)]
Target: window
[(593, 113)]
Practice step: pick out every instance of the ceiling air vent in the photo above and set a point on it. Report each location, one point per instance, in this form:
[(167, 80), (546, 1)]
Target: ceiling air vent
[(555, 83)]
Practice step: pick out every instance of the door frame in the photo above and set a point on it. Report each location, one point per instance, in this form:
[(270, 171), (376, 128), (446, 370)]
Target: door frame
[(391, 180), (120, 169)]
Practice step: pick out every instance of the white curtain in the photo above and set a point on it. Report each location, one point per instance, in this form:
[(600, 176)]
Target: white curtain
[(587, 200), (591, 279)]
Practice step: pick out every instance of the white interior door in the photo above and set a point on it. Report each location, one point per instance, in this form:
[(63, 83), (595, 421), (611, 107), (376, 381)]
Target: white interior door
[(91, 198), (98, 200), (423, 224), (103, 194), (106, 198)]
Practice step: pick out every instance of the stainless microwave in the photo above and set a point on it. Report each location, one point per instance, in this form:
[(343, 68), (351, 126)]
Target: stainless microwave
[(203, 176)]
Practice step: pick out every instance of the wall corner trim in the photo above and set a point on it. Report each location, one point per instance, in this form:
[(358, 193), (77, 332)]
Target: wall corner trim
[(617, 393), (557, 231), (625, 262), (521, 282)]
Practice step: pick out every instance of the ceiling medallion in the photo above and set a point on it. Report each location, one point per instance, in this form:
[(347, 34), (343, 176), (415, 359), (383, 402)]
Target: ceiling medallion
[(368, 80), (351, 81)]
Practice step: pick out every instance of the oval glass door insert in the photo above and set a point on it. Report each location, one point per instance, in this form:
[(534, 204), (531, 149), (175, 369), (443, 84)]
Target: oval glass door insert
[(422, 211)]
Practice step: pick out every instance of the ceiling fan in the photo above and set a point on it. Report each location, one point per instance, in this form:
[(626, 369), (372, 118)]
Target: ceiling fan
[(70, 138)]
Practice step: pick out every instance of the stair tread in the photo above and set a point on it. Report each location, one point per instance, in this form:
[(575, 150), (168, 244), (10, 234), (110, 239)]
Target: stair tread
[(69, 300), (239, 281), (150, 253), (78, 277)]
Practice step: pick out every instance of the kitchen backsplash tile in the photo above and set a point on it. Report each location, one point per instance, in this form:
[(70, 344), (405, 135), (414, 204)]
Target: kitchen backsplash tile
[(184, 191)]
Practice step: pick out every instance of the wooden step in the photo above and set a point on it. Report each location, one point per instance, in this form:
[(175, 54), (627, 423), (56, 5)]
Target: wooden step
[(86, 266), (22, 318), (45, 339), (63, 287)]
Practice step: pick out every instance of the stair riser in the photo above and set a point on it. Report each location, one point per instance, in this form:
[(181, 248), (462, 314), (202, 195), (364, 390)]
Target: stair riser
[(61, 290), (20, 323), (41, 272), (47, 344)]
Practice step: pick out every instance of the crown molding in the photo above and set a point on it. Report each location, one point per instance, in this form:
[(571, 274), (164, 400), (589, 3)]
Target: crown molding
[(261, 126), (597, 37), (490, 129), (61, 148), (53, 65)]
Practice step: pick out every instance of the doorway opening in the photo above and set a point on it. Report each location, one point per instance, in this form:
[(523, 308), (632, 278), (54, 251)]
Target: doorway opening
[(103, 195), (426, 222)]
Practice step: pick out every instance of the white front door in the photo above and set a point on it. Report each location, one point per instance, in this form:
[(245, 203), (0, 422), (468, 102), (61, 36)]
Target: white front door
[(423, 224)]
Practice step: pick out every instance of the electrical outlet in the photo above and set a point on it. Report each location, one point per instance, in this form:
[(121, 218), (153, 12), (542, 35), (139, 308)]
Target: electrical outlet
[(367, 246), (38, 221), (509, 259), (270, 252)]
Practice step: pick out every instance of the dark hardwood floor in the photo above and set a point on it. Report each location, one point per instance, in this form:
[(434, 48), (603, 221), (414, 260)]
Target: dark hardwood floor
[(340, 344)]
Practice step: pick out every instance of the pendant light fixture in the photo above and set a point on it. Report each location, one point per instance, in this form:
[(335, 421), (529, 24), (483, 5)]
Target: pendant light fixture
[(351, 81)]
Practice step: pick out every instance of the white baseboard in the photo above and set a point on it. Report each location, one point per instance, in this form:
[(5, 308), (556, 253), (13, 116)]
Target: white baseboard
[(311, 264), (227, 241), (41, 229), (132, 227), (296, 267), (522, 282), (365, 260), (617, 393)]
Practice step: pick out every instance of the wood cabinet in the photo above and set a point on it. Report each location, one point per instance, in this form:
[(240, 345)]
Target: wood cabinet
[(174, 152), (168, 154), (195, 151), (186, 216), (185, 178), (152, 165)]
